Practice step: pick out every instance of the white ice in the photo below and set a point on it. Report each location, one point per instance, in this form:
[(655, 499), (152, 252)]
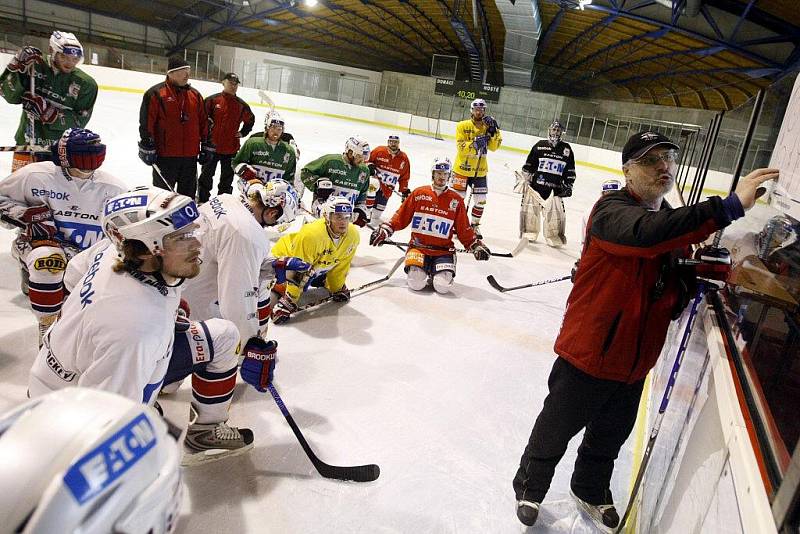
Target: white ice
[(440, 391)]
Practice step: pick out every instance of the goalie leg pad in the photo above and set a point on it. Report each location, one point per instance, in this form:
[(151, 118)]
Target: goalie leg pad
[(555, 221), (416, 278), (530, 213)]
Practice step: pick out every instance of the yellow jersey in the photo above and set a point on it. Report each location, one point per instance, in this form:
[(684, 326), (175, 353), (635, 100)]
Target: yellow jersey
[(466, 155)]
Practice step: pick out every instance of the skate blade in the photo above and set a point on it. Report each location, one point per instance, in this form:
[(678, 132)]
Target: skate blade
[(205, 457)]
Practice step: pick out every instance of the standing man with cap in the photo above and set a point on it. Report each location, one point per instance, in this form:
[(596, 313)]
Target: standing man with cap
[(226, 113), (173, 131), (607, 344)]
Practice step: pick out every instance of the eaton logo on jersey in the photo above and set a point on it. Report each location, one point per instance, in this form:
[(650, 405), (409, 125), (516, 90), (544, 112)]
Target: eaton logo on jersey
[(389, 178), (100, 467), (431, 225), (81, 234), (125, 202), (552, 166)]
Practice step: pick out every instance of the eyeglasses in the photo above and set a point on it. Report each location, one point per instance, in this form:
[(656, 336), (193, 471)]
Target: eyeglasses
[(650, 160)]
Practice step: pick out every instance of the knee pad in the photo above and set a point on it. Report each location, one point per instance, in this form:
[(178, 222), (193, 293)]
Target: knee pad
[(414, 258), (416, 278), (443, 281), (224, 340)]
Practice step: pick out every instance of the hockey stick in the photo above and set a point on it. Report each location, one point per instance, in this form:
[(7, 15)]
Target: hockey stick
[(13, 222), (493, 282), (357, 473), (364, 288), (520, 246), (266, 100), (676, 366)]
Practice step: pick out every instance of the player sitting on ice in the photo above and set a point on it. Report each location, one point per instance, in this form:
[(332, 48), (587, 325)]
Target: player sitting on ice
[(548, 170), (434, 212), (340, 175), (328, 244), (118, 331), (58, 208)]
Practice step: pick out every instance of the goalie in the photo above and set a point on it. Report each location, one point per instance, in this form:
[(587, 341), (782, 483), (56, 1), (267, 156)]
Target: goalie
[(546, 178)]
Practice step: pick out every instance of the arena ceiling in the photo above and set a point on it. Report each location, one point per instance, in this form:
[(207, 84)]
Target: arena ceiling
[(711, 54)]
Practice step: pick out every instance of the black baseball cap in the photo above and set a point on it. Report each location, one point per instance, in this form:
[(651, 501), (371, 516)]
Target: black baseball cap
[(641, 143), (232, 77)]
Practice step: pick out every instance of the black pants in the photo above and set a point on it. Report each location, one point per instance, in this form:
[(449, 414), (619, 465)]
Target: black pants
[(180, 170), (606, 408), (206, 180)]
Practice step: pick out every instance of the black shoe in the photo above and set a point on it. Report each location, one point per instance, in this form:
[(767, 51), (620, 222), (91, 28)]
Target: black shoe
[(605, 516), (527, 512)]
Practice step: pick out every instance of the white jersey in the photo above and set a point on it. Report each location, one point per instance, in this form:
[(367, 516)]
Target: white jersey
[(234, 249), (115, 332), (76, 204)]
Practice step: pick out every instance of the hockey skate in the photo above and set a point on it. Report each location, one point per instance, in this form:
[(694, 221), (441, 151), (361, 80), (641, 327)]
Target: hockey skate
[(211, 442), (604, 516), (527, 512)]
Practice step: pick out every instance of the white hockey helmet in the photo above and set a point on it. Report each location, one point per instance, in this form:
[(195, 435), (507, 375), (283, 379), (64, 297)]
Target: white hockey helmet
[(442, 164), (147, 215), (66, 43), (358, 146), (337, 204), (273, 118), (83, 460), (277, 193), (478, 103)]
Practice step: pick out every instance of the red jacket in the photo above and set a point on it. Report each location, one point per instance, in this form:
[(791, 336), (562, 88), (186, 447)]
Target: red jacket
[(225, 113), (160, 118), (616, 319), (433, 220)]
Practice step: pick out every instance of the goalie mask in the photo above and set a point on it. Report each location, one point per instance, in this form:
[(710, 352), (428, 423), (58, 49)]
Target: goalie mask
[(554, 132), (84, 460)]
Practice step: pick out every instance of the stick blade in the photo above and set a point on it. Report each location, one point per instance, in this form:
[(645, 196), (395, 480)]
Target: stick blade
[(356, 473), (493, 282)]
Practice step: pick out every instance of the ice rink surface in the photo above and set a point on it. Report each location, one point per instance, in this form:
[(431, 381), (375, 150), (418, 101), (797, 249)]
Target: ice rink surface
[(440, 391)]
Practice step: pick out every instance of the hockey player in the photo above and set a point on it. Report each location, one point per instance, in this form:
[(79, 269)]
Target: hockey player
[(549, 169), (59, 204), (234, 281), (434, 212), (343, 175), (118, 330), (391, 167), (328, 245), (58, 96), (474, 137), (267, 154)]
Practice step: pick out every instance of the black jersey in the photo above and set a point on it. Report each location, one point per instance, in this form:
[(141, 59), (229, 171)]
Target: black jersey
[(551, 166)]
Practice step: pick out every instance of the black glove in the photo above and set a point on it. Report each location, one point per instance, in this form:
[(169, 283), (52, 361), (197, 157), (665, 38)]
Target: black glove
[(147, 151), (565, 190), (207, 151), (373, 170), (405, 193), (491, 125), (343, 295), (481, 143), (480, 251), (323, 190), (574, 271), (24, 58), (361, 217)]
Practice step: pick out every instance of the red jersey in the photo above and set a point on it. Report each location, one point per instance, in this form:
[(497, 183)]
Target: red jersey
[(226, 112), (434, 218), (393, 170)]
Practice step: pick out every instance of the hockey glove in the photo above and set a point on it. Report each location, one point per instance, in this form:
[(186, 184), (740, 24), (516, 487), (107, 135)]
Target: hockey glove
[(565, 190), (361, 218), (288, 263), (323, 189), (183, 308), (39, 225), (283, 310), (480, 251), (373, 169), (523, 177), (405, 193), (207, 152), (574, 271), (147, 151), (258, 366), (491, 125), (24, 58), (481, 143), (380, 234), (39, 108), (343, 295)]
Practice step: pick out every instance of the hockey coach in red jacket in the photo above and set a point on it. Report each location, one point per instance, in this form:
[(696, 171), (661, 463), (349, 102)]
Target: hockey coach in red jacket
[(626, 291), (173, 130)]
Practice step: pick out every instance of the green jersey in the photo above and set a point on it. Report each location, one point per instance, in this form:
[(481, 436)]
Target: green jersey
[(350, 181), (73, 94), (269, 161)]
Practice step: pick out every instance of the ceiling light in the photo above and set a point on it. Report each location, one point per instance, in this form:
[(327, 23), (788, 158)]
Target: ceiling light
[(311, 3), (582, 3)]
